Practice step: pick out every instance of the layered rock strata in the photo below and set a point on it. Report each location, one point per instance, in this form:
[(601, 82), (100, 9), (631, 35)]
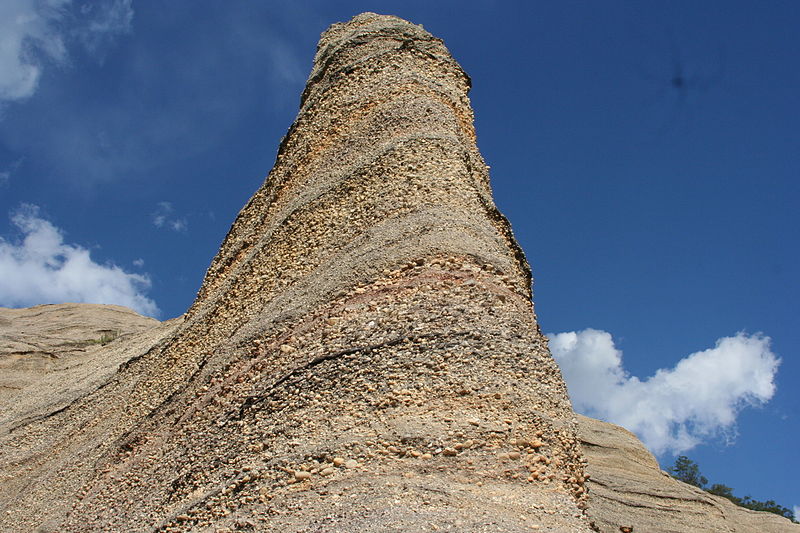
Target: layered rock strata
[(627, 489), (51, 355), (362, 354)]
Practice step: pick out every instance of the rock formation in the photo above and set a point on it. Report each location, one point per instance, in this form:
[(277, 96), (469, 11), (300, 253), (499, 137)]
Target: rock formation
[(50, 355), (626, 487), (362, 355)]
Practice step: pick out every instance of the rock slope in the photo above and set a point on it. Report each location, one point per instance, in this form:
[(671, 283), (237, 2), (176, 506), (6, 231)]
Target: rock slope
[(362, 354), (52, 354), (626, 487)]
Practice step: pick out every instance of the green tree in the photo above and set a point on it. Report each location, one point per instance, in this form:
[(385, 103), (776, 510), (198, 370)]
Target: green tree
[(769, 506), (722, 490), (725, 491), (687, 471)]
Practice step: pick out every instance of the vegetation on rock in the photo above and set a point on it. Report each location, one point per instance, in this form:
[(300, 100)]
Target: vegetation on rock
[(688, 471)]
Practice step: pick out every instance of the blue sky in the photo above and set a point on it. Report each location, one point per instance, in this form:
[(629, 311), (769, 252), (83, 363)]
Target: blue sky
[(647, 155)]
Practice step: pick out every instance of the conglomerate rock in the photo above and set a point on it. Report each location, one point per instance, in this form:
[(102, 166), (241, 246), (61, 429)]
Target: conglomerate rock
[(626, 488), (362, 354)]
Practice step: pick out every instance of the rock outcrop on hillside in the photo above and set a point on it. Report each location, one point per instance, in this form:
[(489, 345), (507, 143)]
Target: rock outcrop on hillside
[(628, 489), (362, 354), (626, 486), (50, 355)]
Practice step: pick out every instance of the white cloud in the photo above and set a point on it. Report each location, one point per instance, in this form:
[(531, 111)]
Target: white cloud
[(796, 511), (190, 94), (138, 262), (28, 36), (32, 33), (178, 225), (677, 408), (41, 268), (163, 217), (4, 177)]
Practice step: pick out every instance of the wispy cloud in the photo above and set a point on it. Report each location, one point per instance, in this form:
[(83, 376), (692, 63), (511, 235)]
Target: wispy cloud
[(33, 33), (101, 23), (677, 408), (172, 98), (5, 174), (42, 268), (164, 217), (29, 37)]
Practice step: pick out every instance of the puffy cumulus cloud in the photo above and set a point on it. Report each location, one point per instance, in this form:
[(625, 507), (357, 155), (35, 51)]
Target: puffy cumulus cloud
[(677, 408), (164, 217), (41, 268), (35, 32)]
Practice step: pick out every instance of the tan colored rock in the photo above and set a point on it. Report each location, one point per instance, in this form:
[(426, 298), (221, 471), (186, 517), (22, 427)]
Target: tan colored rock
[(368, 295), (627, 488), (629, 491), (353, 301), (50, 354)]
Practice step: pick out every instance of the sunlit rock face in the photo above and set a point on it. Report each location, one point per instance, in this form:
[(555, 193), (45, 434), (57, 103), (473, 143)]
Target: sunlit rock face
[(362, 355), (628, 491)]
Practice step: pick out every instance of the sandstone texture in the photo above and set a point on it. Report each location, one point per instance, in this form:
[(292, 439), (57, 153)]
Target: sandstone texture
[(628, 489), (52, 354), (362, 354)]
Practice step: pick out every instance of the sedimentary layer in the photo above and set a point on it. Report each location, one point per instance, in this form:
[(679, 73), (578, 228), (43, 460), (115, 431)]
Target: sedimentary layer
[(626, 488), (362, 355)]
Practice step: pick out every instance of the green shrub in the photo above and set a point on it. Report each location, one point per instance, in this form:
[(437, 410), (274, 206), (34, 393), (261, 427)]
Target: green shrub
[(688, 471)]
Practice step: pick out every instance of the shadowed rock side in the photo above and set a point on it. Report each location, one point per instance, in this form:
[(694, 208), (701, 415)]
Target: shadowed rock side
[(628, 488), (362, 354)]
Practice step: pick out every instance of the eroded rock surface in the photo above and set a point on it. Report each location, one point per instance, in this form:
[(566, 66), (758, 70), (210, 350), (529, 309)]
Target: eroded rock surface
[(52, 354), (627, 488), (362, 354)]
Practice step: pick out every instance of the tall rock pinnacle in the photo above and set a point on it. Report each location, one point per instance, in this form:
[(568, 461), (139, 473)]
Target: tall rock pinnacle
[(362, 355)]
